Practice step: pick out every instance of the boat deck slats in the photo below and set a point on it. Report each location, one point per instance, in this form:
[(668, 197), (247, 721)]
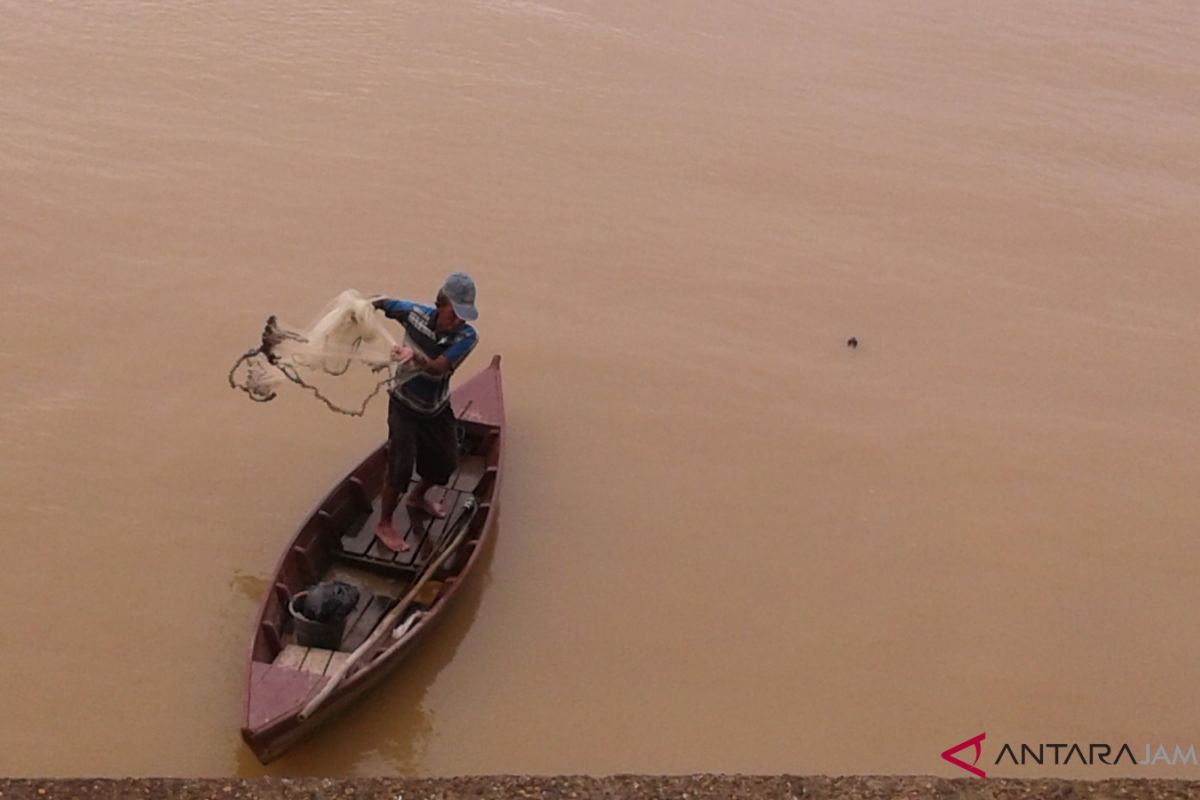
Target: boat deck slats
[(434, 532), (292, 656), (423, 534), (357, 633), (361, 541), (336, 659), (425, 530), (359, 624), (316, 660), (380, 566), (377, 552)]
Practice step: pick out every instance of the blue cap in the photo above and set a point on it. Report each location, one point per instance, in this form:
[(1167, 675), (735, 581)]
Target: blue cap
[(460, 291)]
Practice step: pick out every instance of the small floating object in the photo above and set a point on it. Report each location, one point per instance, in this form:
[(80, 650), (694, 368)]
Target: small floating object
[(852, 342)]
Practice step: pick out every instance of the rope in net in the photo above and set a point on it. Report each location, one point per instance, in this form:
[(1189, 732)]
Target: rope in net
[(349, 336)]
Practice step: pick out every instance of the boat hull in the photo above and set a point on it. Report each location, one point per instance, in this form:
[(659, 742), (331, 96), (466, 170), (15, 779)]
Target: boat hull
[(278, 686)]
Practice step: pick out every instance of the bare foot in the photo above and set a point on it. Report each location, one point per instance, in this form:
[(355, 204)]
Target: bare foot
[(430, 507), (388, 537)]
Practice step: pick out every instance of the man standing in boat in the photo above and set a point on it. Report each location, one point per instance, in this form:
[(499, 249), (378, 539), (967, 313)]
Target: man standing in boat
[(421, 425)]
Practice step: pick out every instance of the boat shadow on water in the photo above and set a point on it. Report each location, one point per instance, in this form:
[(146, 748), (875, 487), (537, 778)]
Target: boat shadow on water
[(388, 732)]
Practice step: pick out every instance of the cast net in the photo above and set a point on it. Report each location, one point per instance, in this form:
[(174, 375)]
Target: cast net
[(345, 354)]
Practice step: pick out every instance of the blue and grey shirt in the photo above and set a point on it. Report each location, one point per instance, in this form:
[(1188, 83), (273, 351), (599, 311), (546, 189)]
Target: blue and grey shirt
[(428, 394)]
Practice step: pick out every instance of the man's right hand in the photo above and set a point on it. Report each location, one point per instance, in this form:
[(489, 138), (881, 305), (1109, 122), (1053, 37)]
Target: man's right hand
[(402, 354)]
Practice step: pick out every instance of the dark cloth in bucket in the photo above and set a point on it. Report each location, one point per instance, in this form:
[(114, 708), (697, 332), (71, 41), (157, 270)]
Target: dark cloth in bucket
[(329, 601)]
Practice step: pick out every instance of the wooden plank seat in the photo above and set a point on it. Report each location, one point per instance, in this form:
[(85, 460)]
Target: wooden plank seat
[(316, 660)]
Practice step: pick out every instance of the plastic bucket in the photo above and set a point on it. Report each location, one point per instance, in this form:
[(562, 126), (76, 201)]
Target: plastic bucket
[(310, 633)]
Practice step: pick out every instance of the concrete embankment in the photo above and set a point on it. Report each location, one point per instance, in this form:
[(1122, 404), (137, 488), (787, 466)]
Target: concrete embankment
[(683, 787)]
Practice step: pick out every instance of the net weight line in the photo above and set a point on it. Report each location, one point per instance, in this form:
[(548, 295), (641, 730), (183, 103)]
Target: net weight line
[(258, 386)]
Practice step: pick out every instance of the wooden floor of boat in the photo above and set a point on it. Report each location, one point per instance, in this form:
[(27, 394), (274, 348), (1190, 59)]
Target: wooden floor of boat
[(376, 596), (362, 549), (311, 659), (422, 532)]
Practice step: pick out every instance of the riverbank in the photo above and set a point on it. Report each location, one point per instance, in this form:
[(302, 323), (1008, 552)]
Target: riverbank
[(683, 787)]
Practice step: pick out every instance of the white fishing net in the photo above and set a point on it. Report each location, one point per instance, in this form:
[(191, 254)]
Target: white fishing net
[(345, 352)]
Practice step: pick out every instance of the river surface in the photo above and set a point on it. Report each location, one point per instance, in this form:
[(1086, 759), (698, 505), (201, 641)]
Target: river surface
[(729, 542)]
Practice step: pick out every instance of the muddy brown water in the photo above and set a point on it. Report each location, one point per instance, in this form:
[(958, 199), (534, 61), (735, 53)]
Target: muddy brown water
[(729, 543)]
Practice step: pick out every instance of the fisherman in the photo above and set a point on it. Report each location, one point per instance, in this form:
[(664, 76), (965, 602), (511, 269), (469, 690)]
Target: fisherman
[(421, 425)]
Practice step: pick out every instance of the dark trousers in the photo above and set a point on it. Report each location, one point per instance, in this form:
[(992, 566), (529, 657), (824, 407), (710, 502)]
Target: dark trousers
[(428, 441)]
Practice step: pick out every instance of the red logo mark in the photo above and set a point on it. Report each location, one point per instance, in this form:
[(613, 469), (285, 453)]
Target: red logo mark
[(971, 768)]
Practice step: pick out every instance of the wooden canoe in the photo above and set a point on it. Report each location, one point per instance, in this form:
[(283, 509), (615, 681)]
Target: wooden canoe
[(285, 679)]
